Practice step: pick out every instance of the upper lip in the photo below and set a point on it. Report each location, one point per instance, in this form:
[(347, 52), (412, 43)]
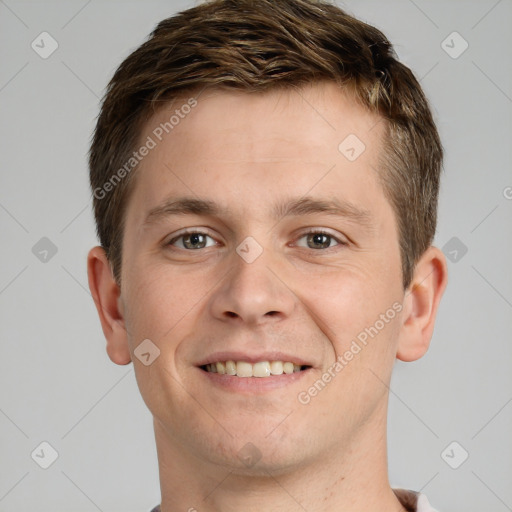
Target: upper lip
[(254, 358)]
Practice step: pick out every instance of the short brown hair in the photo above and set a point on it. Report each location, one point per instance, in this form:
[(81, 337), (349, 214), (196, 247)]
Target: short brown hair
[(254, 46)]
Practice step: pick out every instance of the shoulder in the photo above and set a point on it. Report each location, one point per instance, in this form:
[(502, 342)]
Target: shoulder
[(413, 501), (423, 505)]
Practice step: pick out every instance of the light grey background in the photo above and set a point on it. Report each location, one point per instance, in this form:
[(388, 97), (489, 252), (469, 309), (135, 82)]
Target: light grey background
[(56, 381)]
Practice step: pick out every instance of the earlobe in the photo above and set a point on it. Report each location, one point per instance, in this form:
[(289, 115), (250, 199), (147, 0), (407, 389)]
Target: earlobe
[(106, 295), (421, 303)]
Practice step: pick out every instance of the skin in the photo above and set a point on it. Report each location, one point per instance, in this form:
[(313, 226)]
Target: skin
[(247, 153)]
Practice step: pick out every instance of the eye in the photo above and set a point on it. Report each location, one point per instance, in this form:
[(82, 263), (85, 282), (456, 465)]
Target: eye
[(319, 240), (191, 240)]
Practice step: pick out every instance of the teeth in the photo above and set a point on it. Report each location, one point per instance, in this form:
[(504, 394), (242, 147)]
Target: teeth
[(230, 367), (243, 369), (288, 367), (259, 369), (276, 367)]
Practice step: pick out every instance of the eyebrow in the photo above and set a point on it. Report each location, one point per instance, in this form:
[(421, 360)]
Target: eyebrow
[(292, 207)]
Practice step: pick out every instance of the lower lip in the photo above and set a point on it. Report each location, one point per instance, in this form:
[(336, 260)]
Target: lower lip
[(253, 384)]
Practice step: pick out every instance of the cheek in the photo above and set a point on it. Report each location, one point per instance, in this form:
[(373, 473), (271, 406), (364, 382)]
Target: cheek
[(361, 320), (163, 306), (343, 299), (161, 300), (356, 310)]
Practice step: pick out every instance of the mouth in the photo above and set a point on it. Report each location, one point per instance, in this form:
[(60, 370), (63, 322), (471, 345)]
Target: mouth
[(259, 369), (253, 373)]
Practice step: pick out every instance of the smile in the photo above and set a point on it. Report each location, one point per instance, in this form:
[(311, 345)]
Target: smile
[(258, 369)]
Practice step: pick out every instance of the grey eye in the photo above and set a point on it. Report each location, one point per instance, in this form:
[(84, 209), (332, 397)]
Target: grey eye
[(192, 241), (318, 240)]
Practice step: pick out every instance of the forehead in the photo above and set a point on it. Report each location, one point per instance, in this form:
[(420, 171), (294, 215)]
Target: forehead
[(282, 140), (285, 118)]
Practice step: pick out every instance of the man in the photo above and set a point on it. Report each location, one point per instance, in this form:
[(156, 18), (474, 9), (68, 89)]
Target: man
[(265, 178)]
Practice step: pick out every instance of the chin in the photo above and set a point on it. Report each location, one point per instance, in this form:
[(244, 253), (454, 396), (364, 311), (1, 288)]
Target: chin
[(257, 454)]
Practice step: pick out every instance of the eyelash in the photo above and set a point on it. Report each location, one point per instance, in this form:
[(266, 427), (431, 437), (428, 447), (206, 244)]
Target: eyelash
[(312, 231), (185, 233)]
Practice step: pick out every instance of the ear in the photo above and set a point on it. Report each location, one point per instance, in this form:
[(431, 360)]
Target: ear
[(106, 294), (420, 304)]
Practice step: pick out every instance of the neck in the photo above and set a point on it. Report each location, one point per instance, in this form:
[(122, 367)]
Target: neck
[(346, 479)]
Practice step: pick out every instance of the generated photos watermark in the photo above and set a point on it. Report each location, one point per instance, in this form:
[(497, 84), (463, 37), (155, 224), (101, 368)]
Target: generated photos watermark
[(356, 346), (157, 135)]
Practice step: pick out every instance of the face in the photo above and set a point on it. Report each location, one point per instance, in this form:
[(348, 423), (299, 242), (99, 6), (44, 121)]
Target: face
[(258, 235)]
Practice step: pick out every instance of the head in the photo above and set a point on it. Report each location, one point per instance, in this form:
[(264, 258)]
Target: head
[(246, 123)]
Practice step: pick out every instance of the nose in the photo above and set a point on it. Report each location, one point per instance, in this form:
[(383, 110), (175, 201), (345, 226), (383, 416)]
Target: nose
[(253, 293)]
